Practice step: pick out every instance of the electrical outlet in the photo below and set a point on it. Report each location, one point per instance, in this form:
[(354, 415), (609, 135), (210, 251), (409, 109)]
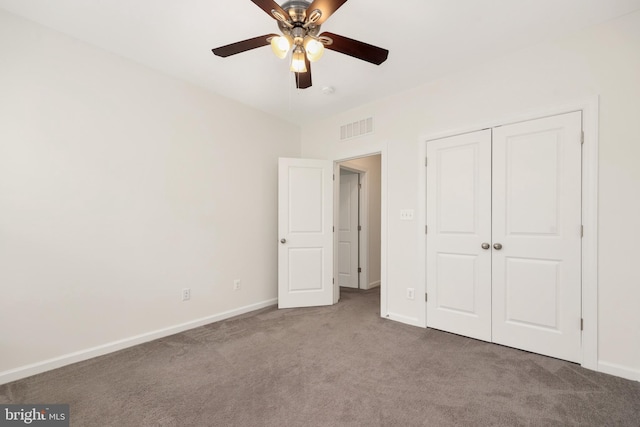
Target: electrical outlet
[(411, 294), (186, 294), (236, 285)]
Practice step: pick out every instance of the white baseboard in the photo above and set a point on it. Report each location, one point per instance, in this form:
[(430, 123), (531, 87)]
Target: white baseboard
[(619, 370), (371, 285), (413, 321), (78, 356)]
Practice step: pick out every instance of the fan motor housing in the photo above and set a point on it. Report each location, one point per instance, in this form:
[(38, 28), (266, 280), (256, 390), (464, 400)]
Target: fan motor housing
[(297, 11)]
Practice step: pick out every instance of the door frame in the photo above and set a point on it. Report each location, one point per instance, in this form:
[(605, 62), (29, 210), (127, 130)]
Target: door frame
[(590, 113), (364, 240)]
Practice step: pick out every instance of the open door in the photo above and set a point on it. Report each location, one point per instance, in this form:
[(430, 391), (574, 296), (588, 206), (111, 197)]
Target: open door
[(348, 231), (305, 230)]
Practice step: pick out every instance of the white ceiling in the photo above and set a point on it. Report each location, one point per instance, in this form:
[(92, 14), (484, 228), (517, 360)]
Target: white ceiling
[(426, 39)]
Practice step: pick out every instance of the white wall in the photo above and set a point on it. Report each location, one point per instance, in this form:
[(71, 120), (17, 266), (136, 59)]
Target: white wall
[(602, 60), (371, 165), (119, 186)]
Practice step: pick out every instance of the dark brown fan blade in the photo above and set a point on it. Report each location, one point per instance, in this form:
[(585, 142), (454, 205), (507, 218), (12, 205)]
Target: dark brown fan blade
[(303, 80), (243, 46), (327, 7), (268, 6), (366, 52)]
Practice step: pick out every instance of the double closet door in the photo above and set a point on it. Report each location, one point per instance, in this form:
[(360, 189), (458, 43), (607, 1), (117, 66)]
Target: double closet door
[(504, 235)]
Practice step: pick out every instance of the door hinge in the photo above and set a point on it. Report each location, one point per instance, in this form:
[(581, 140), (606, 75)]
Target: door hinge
[(334, 176), (333, 280), (582, 137), (426, 298), (426, 230), (359, 269), (582, 231), (426, 161), (359, 185), (359, 228), (582, 324), (333, 229)]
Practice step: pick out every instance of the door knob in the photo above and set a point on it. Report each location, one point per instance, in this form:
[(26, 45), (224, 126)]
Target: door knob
[(283, 240), (485, 246), (497, 246)]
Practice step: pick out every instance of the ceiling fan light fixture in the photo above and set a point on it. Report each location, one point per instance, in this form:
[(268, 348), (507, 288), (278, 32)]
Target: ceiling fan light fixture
[(298, 64), (280, 46), (299, 22), (314, 48)]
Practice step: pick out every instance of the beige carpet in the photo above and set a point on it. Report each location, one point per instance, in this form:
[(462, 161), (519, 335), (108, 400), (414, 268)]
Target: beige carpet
[(331, 366)]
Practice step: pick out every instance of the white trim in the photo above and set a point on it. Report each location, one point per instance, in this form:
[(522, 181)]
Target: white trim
[(413, 321), (363, 236), (78, 356), (373, 284), (336, 221), (619, 371), (590, 116), (384, 230), (421, 286), (590, 126)]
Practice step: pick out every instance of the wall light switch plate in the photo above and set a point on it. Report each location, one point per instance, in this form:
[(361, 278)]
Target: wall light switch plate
[(406, 214)]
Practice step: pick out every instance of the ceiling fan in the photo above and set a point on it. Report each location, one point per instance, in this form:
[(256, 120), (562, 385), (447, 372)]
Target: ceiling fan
[(299, 22)]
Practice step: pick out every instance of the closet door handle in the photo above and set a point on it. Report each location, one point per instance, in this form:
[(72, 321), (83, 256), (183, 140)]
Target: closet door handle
[(497, 246), (485, 246), (283, 241)]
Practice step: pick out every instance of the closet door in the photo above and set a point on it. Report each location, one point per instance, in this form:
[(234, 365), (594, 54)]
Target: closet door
[(459, 223), (536, 229)]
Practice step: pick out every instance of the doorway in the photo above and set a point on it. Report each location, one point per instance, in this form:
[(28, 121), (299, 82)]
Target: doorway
[(358, 223)]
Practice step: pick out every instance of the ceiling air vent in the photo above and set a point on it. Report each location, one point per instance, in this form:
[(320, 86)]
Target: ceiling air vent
[(356, 129)]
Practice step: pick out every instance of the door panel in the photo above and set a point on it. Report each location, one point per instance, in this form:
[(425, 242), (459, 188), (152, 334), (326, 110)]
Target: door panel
[(348, 231), (530, 176), (305, 199), (536, 219), (305, 221), (457, 195), (456, 283), (305, 269), (459, 221), (531, 293)]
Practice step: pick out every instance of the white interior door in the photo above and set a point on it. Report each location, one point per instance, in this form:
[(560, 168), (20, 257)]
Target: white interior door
[(348, 231), (459, 223), (536, 220), (305, 222)]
